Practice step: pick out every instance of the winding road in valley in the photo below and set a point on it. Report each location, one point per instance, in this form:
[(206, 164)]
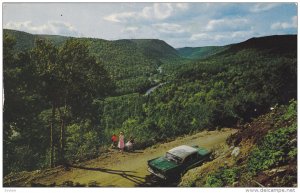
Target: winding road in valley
[(150, 90)]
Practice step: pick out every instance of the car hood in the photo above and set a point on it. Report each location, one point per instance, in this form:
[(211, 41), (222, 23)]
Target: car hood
[(162, 163)]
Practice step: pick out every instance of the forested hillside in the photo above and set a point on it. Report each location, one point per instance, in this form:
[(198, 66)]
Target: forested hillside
[(65, 97), (200, 52), (132, 64)]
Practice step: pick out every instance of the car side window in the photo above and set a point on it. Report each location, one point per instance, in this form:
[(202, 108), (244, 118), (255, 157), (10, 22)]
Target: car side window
[(191, 158), (187, 159), (194, 156)]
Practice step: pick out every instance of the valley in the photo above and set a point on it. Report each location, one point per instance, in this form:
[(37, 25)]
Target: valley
[(66, 96)]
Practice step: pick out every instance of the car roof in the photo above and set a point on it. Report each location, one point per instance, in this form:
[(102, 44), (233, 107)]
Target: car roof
[(182, 151)]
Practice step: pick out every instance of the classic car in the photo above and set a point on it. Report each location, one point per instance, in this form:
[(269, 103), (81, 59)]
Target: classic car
[(177, 161)]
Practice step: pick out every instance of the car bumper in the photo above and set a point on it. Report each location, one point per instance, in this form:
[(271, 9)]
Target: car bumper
[(157, 174)]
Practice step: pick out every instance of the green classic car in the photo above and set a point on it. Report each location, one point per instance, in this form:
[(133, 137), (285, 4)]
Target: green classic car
[(177, 161)]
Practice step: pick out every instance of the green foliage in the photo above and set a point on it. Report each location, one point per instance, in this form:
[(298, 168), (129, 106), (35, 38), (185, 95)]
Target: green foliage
[(66, 78), (23, 158), (200, 52), (21, 129), (277, 146), (117, 110), (214, 181), (78, 75), (223, 177), (155, 49), (218, 91), (291, 112), (131, 62), (274, 149), (82, 143), (26, 41)]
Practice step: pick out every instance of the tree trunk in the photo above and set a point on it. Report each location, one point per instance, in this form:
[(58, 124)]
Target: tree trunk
[(62, 141), (62, 135), (51, 136)]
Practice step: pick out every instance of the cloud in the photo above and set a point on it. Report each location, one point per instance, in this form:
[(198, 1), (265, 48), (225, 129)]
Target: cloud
[(158, 11), (200, 36), (261, 7), (206, 37), (131, 29), (169, 28), (182, 6), (120, 17), (227, 24), (217, 37), (285, 25), (183, 24), (242, 34), (51, 27), (162, 10)]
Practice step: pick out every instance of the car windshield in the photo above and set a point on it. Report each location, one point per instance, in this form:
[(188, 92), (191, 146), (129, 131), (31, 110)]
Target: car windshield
[(173, 158)]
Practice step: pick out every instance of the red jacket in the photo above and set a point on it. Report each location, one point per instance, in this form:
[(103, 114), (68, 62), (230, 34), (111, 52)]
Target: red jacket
[(114, 138)]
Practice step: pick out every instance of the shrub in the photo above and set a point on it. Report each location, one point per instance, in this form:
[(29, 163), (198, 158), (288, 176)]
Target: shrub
[(224, 176), (277, 146), (81, 144)]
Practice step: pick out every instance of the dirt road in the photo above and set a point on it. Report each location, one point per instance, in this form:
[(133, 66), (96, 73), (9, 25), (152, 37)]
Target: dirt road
[(129, 169)]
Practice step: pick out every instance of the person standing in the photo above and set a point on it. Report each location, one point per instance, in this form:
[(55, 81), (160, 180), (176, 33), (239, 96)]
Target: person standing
[(121, 144), (114, 140)]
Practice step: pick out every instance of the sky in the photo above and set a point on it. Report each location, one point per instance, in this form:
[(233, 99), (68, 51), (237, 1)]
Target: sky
[(178, 24)]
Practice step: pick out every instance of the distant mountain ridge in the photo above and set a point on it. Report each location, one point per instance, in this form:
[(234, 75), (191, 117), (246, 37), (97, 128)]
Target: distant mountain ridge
[(151, 47), (134, 61), (200, 52), (26, 40), (158, 49), (275, 43)]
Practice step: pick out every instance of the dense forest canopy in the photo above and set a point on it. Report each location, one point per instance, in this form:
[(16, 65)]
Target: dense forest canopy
[(65, 97)]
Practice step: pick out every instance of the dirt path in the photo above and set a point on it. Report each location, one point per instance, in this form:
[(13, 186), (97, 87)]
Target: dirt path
[(129, 169)]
